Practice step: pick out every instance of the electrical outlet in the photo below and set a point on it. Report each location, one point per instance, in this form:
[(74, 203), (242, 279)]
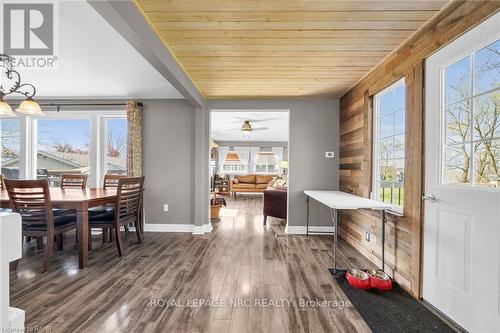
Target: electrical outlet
[(367, 236), (165, 207), (329, 154)]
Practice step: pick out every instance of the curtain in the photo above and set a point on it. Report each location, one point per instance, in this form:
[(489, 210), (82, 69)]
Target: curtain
[(222, 153), (244, 155), (278, 154), (134, 139), (254, 151)]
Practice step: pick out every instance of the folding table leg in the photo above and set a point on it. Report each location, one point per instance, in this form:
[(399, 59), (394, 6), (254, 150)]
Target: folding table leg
[(334, 214), (383, 240), (307, 219)]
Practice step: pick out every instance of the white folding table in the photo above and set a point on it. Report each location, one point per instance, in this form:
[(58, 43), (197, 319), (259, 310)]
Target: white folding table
[(337, 200)]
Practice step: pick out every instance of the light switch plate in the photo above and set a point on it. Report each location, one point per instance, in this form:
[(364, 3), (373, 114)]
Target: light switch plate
[(329, 154), (165, 207)]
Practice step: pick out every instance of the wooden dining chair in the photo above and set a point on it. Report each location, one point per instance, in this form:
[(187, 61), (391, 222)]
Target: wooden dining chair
[(128, 206), (31, 199), (111, 181), (2, 186), (74, 181)]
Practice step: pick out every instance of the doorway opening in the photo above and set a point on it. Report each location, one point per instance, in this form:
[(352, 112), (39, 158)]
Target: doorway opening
[(249, 167)]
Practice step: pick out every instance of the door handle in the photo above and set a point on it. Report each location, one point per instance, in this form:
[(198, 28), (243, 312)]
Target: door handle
[(429, 197)]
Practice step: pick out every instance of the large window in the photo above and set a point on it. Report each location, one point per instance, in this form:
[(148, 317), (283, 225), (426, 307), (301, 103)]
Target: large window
[(116, 146), (63, 147), (389, 146), (265, 163), (471, 112), (10, 145), (71, 142)]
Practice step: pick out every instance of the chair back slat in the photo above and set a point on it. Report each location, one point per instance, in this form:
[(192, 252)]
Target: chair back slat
[(74, 181), (129, 196), (111, 181), (31, 199), (1, 183)]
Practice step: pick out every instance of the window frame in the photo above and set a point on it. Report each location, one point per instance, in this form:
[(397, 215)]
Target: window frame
[(469, 52), (21, 148), (97, 132), (375, 142)]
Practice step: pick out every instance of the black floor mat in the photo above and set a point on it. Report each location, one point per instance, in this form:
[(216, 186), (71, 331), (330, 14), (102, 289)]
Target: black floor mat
[(392, 311)]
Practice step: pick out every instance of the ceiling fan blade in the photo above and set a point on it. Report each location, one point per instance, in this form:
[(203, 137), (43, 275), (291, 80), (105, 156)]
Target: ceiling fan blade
[(242, 119), (232, 129), (260, 128)]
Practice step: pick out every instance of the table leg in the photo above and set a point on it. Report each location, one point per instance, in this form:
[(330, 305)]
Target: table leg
[(383, 239), (307, 219), (82, 225), (334, 214)]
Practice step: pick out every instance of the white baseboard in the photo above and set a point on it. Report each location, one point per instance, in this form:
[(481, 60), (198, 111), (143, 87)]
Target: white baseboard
[(195, 230), (200, 230), (301, 229)]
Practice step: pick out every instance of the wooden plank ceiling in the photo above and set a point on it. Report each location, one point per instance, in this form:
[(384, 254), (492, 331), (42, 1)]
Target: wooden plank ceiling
[(282, 48)]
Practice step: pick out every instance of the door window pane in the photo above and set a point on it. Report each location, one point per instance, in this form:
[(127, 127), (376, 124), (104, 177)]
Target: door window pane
[(487, 116), (457, 164), (63, 148), (10, 143), (487, 68), (458, 119), (116, 146), (472, 125), (487, 164), (458, 81)]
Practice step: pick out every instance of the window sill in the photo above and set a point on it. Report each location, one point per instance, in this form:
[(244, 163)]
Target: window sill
[(395, 213)]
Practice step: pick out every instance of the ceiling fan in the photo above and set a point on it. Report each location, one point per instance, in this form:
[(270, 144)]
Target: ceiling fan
[(247, 128)]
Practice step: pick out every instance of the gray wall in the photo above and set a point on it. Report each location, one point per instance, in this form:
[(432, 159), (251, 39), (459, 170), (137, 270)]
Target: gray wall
[(168, 161), (314, 129)]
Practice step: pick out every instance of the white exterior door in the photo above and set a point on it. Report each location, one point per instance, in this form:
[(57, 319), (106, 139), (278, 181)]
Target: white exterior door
[(461, 234)]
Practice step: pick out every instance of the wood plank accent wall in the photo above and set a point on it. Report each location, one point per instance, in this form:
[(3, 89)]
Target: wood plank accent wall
[(403, 233)]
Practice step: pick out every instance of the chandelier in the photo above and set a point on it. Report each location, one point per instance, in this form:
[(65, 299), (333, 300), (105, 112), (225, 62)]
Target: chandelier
[(11, 77)]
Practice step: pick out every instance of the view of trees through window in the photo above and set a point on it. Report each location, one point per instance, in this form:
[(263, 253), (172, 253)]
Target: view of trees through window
[(10, 144), (390, 145), (116, 146), (62, 148), (472, 119)]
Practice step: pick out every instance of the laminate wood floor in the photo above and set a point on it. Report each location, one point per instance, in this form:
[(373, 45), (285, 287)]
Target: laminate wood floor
[(256, 278)]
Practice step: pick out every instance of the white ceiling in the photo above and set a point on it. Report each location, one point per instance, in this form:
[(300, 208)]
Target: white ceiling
[(95, 61), (226, 125)]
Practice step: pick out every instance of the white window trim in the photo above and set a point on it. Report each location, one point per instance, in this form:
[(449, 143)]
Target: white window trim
[(375, 165), (97, 118), (453, 55)]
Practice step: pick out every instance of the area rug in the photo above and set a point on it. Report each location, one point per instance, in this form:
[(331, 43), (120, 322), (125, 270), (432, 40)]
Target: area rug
[(392, 311)]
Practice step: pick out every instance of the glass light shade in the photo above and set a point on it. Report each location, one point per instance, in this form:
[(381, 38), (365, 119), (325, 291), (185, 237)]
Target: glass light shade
[(284, 164), (232, 156), (30, 107), (5, 109)]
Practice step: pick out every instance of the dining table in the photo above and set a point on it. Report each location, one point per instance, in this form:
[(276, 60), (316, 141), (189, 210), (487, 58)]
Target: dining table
[(79, 200)]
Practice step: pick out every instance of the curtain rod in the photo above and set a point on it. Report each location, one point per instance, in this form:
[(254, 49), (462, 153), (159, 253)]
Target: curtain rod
[(140, 104)]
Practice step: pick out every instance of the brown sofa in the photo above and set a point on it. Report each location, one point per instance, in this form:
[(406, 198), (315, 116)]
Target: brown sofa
[(275, 204), (250, 183)]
